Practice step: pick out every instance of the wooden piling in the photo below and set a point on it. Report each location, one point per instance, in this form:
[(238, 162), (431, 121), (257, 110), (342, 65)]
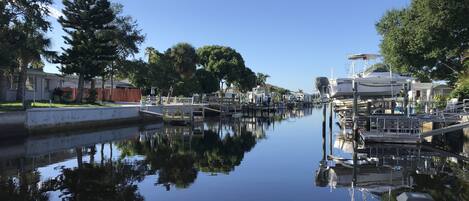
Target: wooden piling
[(330, 128), (368, 114), (406, 99), (324, 131), (355, 110)]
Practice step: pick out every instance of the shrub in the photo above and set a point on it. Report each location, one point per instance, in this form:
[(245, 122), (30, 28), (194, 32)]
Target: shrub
[(440, 101), (461, 91), (57, 95), (92, 96)]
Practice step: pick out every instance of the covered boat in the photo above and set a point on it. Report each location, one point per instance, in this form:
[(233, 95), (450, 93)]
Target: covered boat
[(377, 80)]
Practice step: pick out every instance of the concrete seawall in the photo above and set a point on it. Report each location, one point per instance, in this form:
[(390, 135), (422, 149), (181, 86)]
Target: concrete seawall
[(12, 118), (58, 118), (39, 120)]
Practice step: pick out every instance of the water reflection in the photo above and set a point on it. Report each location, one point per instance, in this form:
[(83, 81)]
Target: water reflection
[(383, 171), (109, 164)]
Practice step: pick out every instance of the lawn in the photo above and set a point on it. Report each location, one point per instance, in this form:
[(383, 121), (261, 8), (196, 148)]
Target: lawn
[(17, 106)]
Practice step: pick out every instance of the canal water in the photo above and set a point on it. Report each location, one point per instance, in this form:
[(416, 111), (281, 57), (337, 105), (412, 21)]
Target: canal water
[(294, 155)]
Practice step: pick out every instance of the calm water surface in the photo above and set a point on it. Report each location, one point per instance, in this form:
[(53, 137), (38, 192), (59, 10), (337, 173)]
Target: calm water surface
[(288, 156)]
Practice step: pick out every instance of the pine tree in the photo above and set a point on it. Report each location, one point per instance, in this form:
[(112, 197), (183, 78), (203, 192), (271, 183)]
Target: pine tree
[(88, 24)]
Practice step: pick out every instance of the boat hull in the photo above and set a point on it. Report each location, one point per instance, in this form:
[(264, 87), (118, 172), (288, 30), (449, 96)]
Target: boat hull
[(366, 87)]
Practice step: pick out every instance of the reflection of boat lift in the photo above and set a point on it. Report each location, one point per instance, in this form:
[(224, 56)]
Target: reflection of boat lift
[(377, 169)]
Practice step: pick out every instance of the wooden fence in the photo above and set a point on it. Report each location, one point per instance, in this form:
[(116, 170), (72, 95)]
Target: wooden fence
[(118, 94)]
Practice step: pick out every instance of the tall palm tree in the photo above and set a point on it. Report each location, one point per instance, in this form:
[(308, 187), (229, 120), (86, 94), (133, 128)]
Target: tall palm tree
[(31, 43), (262, 78)]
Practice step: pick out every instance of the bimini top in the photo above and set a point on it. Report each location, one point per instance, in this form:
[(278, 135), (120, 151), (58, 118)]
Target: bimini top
[(363, 56)]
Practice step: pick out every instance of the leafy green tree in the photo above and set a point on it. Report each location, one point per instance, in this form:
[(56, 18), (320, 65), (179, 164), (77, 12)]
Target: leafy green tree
[(427, 39), (6, 36), (247, 80), (208, 83), (30, 45), (127, 39), (91, 46), (187, 87), (224, 62), (23, 24), (162, 73)]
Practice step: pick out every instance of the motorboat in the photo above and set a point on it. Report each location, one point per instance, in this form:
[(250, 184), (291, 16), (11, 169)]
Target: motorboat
[(375, 81)]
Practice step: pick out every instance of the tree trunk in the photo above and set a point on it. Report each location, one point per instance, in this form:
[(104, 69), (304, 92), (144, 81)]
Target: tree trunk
[(92, 153), (93, 84), (3, 86), (112, 85), (20, 91), (81, 83), (79, 156), (102, 89)]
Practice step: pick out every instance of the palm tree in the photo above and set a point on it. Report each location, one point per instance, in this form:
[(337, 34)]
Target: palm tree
[(262, 78), (30, 45)]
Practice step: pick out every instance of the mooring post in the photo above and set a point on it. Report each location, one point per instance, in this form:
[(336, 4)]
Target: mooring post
[(330, 128), (324, 132), (368, 115), (355, 110), (406, 99), (393, 106), (203, 112)]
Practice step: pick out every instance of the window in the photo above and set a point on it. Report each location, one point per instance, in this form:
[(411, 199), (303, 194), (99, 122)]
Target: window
[(31, 83), (13, 82), (47, 84)]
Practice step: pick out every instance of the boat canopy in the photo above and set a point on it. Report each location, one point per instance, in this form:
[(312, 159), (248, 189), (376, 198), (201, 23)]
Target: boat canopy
[(363, 56)]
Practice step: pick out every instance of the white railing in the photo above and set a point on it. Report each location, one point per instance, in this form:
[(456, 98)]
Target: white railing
[(465, 103), (156, 100), (395, 124)]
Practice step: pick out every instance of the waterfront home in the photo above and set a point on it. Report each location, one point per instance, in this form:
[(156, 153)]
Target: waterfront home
[(259, 95), (40, 86), (441, 90), (301, 96)]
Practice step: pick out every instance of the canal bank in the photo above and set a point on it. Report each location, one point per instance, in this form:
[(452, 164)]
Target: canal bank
[(46, 120), (42, 120)]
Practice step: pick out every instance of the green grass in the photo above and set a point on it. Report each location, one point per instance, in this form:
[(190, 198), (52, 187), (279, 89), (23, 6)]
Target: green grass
[(17, 106)]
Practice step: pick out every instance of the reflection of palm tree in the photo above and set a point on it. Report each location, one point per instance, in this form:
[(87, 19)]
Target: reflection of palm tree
[(93, 182)]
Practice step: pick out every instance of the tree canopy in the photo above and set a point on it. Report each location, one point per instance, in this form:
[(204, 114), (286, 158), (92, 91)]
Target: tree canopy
[(23, 28), (183, 58), (428, 38), (88, 24), (225, 62), (208, 83), (262, 78)]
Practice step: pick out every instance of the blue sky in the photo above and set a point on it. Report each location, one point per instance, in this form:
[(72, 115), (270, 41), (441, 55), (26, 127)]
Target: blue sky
[(293, 41)]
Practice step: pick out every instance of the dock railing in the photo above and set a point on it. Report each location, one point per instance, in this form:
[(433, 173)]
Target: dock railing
[(466, 105), (395, 124)]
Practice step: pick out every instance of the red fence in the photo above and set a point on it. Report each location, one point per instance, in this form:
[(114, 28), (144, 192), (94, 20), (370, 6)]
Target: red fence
[(118, 95)]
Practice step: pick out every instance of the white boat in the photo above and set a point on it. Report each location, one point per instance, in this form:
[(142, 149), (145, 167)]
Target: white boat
[(371, 82)]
